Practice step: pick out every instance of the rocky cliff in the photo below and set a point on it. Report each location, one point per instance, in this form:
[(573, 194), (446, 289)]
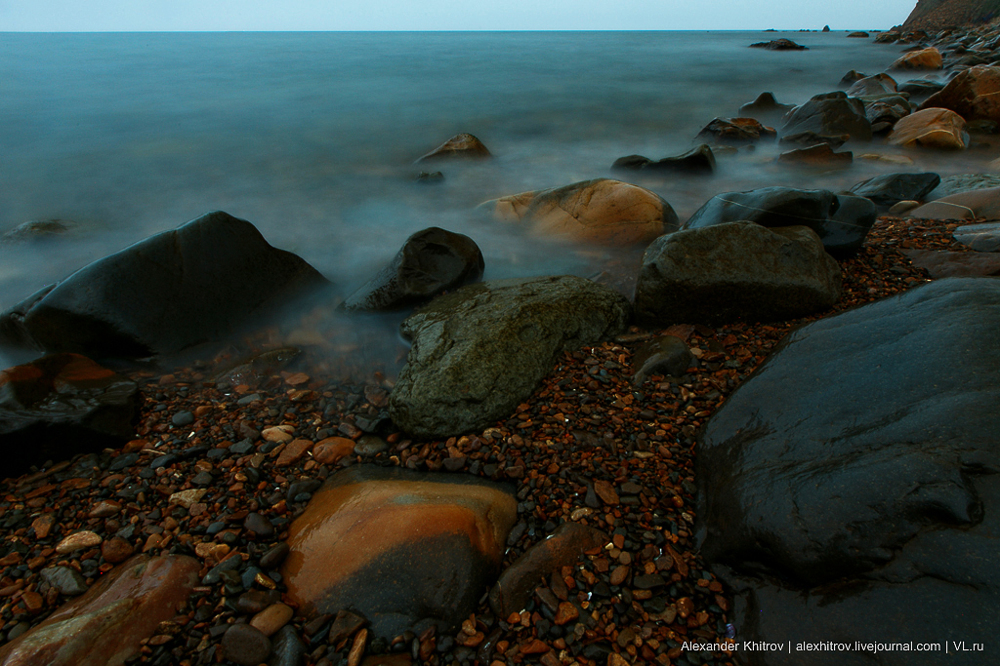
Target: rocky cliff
[(939, 14)]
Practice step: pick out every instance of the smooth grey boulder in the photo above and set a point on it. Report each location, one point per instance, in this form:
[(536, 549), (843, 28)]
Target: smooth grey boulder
[(830, 117), (735, 270), (851, 488), (965, 182), (889, 189), (430, 262), (197, 283), (841, 220), (481, 350), (983, 237)]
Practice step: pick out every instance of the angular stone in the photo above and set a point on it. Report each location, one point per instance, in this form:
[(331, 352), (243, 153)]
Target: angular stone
[(566, 545), (603, 211), (329, 451), (293, 452), (736, 131), (407, 550), (62, 405), (78, 541), (930, 128), (272, 618), (67, 580), (171, 291), (852, 483), (880, 84), (186, 498), (830, 118), (463, 146), (667, 355), (430, 262), (889, 189), (735, 270), (480, 351), (929, 58), (973, 94), (765, 108), (116, 550), (104, 626)]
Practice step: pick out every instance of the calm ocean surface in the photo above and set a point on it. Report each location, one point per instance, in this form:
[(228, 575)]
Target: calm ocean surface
[(311, 136)]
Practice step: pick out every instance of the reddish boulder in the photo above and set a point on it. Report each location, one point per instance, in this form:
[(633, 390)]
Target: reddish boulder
[(929, 58), (930, 128), (974, 94)]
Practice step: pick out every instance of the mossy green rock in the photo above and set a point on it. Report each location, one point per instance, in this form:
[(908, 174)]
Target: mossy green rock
[(482, 349)]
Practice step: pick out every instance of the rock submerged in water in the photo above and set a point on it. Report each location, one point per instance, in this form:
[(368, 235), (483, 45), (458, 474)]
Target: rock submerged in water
[(430, 262), (735, 270), (602, 211), (105, 626), (841, 220), (889, 189), (404, 549), (819, 156), (765, 108), (829, 117), (930, 128), (699, 160), (855, 476), (480, 351), (779, 45), (195, 284), (62, 405), (460, 146)]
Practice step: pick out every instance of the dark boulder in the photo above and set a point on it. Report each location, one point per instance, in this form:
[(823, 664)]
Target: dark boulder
[(62, 405), (195, 284), (37, 230), (430, 262), (889, 189), (735, 131), (698, 160), (481, 350), (842, 231), (852, 484), (851, 78), (821, 155), (832, 116), (859, 34), (885, 111), (879, 84), (779, 45), (765, 108), (920, 87), (732, 271)]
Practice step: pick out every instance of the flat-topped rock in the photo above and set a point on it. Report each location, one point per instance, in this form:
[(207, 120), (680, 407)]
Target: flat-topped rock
[(962, 206)]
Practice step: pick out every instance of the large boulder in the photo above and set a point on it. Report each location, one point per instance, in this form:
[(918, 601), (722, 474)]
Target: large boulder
[(962, 206), (407, 550), (879, 84), (430, 262), (841, 220), (735, 270), (481, 350), (735, 131), (974, 94), (964, 182), (930, 128), (980, 237), (62, 405), (602, 210), (928, 58), (195, 284), (891, 188), (831, 117), (851, 486), (111, 622)]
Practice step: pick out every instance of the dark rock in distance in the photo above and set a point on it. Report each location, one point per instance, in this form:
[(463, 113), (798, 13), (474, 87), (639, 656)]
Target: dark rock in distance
[(481, 350), (855, 476), (37, 230), (430, 262), (732, 271), (852, 77), (698, 160), (426, 177), (779, 45), (736, 131), (195, 284), (460, 146), (889, 189), (859, 34), (62, 405), (830, 115), (842, 231), (765, 108)]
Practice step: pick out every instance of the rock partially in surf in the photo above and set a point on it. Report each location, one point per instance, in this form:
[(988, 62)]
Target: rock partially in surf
[(430, 262), (736, 131), (604, 211), (841, 221), (964, 182), (920, 87), (406, 550), (480, 351), (974, 94), (851, 78), (62, 405), (884, 112), (779, 45), (698, 160), (37, 230), (889, 189), (765, 108), (879, 84), (732, 271), (460, 146), (859, 34), (888, 37), (930, 128), (929, 58), (819, 156), (198, 283), (984, 203), (830, 117)]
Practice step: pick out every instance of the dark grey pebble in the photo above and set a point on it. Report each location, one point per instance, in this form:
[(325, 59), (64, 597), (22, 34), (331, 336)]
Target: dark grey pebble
[(259, 525), (182, 418), (275, 556), (245, 645), (65, 579)]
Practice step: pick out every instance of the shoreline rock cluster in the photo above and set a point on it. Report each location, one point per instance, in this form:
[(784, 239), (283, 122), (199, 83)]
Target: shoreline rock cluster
[(602, 479)]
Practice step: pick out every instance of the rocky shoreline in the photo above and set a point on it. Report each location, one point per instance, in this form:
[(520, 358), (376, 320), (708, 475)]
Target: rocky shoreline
[(589, 507)]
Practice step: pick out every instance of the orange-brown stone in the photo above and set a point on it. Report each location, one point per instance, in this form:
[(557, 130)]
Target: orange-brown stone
[(293, 451), (974, 94), (929, 58), (400, 548), (930, 128), (330, 450), (460, 145), (106, 625)]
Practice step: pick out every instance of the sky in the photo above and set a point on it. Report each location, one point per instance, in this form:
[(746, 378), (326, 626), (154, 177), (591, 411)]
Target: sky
[(171, 15)]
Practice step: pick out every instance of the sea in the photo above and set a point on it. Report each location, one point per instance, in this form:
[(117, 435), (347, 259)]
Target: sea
[(312, 136)]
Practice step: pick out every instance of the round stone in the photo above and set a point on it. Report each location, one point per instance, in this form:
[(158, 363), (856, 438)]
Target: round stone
[(245, 645)]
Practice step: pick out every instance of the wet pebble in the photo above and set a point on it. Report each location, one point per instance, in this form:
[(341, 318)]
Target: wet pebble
[(272, 618), (67, 580), (245, 645)]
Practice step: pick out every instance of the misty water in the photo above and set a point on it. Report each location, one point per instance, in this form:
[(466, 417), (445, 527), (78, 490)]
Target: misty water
[(312, 136)]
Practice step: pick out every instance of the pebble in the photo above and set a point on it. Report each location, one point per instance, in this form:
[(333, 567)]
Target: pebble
[(273, 558), (186, 498), (259, 525), (293, 451), (245, 645), (330, 450), (272, 618), (277, 434), (78, 541), (182, 418), (43, 525)]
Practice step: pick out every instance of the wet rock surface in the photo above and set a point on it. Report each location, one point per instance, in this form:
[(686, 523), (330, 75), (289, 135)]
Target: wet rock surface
[(460, 146), (151, 298), (430, 262), (888, 503), (888, 190), (406, 550), (699, 160), (931, 128), (62, 405), (830, 118), (972, 94), (983, 237), (736, 131), (982, 203), (481, 350)]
